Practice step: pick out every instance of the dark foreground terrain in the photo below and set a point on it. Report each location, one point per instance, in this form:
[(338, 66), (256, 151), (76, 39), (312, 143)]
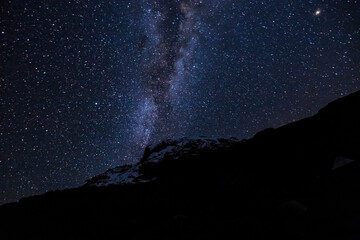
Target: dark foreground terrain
[(300, 181)]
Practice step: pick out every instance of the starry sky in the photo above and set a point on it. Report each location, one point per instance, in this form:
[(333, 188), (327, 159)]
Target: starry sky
[(85, 85)]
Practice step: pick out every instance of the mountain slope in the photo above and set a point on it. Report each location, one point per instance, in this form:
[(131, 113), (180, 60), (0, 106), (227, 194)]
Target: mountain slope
[(156, 155), (295, 182)]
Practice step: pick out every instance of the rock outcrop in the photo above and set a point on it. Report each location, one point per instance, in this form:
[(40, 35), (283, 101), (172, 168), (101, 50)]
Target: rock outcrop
[(158, 155)]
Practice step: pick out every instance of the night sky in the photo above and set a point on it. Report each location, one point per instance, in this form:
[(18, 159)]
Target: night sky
[(86, 85)]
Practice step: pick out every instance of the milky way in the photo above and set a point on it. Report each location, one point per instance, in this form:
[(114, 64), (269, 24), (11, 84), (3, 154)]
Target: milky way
[(85, 85), (168, 42)]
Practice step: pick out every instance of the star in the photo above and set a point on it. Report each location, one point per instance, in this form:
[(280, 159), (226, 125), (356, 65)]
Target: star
[(317, 12)]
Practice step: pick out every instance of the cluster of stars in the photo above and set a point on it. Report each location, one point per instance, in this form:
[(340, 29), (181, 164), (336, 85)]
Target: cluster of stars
[(85, 85)]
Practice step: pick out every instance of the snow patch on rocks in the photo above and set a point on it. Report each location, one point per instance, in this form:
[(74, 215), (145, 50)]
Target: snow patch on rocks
[(126, 174), (173, 149)]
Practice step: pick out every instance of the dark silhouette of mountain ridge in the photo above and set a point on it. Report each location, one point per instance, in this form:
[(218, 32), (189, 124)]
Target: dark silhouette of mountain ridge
[(298, 181)]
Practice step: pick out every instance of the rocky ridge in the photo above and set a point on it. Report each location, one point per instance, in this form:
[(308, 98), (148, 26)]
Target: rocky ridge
[(168, 150)]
